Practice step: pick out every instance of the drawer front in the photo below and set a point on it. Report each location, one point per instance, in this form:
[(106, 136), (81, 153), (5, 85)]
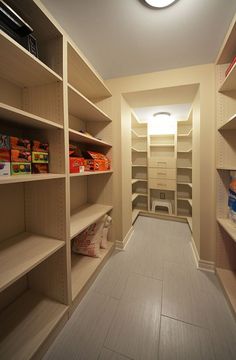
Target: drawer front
[(159, 173), (164, 163), (162, 184)]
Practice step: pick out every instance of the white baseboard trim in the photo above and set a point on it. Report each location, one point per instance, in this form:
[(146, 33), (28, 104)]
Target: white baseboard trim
[(121, 245), (202, 264)]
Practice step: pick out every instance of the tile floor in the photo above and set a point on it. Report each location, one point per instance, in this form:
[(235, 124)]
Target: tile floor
[(150, 302)]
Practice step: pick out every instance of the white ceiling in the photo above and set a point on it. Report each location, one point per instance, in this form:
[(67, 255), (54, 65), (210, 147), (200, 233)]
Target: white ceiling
[(124, 37), (179, 111)]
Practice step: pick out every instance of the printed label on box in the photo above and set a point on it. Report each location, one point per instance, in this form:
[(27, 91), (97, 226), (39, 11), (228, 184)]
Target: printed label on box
[(20, 168), (39, 157), (4, 142), (5, 169)]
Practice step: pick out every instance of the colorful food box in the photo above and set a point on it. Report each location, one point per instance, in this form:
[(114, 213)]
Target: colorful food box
[(40, 157), (18, 156), (5, 156), (76, 165), (5, 169), (20, 168), (38, 146), (20, 144), (95, 161)]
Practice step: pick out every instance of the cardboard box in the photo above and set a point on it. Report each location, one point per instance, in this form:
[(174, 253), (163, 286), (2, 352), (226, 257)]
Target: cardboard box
[(4, 142), (20, 144), (40, 168), (20, 168), (95, 161), (5, 156), (39, 157), (38, 146), (5, 169), (20, 156), (76, 165)]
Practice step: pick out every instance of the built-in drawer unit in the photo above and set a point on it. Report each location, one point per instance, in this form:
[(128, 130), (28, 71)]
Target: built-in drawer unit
[(162, 184), (162, 162), (161, 173)]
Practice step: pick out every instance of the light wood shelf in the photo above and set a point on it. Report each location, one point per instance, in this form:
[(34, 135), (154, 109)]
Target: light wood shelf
[(24, 118), (230, 81), (185, 183), (86, 215), (230, 124), (138, 151), (185, 167), (228, 280), (228, 227), (83, 108), (13, 179), (162, 145), (185, 151), (83, 77), (136, 135), (186, 135), (27, 323), (83, 138), (135, 214), (135, 165), (22, 68), (135, 195), (185, 199), (84, 267), (226, 168), (88, 173), (133, 181), (21, 253)]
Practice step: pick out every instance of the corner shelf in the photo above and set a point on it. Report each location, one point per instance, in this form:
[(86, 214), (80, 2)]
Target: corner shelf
[(137, 135), (184, 151), (185, 183), (139, 151), (28, 322), (84, 267), (83, 108), (162, 145), (134, 181), (135, 195), (17, 116), (83, 138), (134, 165), (187, 134), (21, 253), (21, 67), (85, 216)]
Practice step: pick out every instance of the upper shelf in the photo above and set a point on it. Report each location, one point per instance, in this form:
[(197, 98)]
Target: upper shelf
[(186, 134), (21, 67), (25, 118), (230, 124), (230, 81), (228, 227), (227, 52), (83, 138), (136, 135), (83, 77), (83, 108)]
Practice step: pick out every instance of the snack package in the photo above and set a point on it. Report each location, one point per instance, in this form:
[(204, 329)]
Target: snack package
[(40, 168), (38, 146), (18, 156), (20, 168), (76, 161), (40, 157), (5, 169), (5, 155), (95, 161), (4, 142), (88, 242), (20, 144)]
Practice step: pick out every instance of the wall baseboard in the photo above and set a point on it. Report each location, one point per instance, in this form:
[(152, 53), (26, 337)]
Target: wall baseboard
[(202, 264), (121, 245)]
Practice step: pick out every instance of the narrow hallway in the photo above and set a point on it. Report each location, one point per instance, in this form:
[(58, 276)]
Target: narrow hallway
[(150, 302)]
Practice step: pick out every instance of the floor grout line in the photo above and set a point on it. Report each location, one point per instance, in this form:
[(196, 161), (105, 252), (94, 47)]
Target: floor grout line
[(116, 352), (185, 322)]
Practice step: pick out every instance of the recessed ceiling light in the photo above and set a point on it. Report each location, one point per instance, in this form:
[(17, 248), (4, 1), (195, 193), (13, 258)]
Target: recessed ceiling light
[(159, 3)]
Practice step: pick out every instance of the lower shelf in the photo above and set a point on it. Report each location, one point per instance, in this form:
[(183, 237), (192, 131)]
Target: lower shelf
[(228, 227), (84, 267), (190, 223), (228, 281), (27, 323)]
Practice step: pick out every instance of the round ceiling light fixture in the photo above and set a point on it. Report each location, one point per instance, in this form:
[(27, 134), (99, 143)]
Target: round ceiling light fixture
[(162, 115), (159, 3)]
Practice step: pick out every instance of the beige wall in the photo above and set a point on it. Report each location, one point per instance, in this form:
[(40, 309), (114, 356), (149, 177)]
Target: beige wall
[(204, 76)]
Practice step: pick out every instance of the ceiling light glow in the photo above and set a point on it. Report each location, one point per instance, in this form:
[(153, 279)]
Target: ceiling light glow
[(162, 123), (159, 3)]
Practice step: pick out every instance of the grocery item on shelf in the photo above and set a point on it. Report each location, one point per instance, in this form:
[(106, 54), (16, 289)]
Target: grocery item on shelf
[(5, 157), (19, 143), (95, 161), (232, 197), (88, 241), (5, 169), (76, 160), (40, 157), (20, 156), (230, 66), (20, 168)]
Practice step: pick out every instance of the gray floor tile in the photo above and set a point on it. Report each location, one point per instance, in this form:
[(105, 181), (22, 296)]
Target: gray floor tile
[(181, 341), (85, 333), (110, 355), (135, 328)]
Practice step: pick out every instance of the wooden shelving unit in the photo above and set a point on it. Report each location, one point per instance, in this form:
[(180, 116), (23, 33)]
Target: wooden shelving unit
[(139, 180), (55, 98), (225, 161)]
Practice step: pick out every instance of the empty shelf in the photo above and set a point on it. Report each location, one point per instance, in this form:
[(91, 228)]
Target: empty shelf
[(190, 223), (162, 145), (27, 178), (86, 215), (84, 267), (134, 165), (21, 253), (27, 323), (228, 281), (83, 138), (187, 134), (133, 181), (135, 195), (135, 214), (230, 81), (87, 173), (137, 150), (228, 227), (185, 183), (18, 116), (230, 124)]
